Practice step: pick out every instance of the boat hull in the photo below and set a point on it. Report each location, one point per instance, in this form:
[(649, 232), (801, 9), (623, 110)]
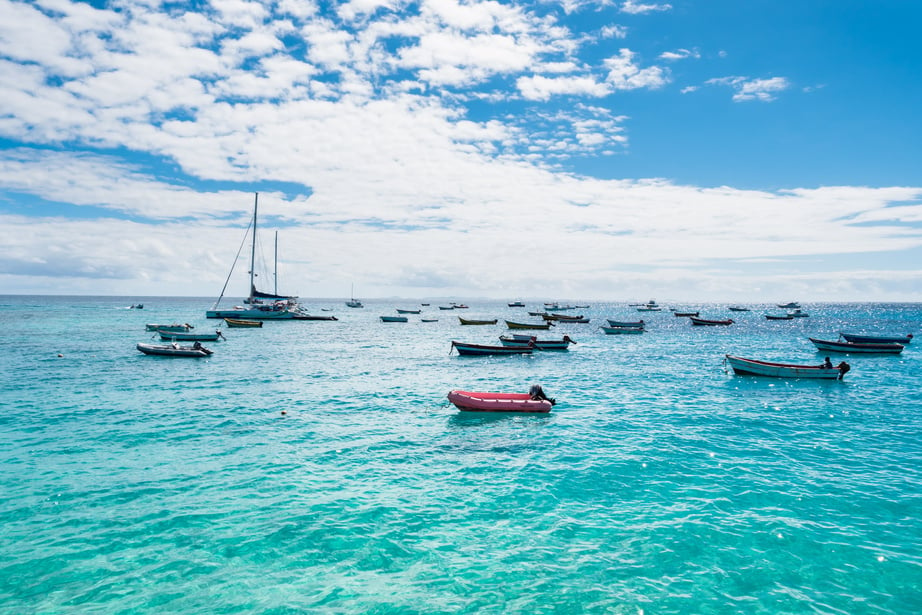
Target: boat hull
[(633, 324), (183, 336), (525, 340), (465, 349), (251, 314), (472, 401), (526, 325), (622, 330), (394, 319), (752, 367), (703, 322), (876, 339), (467, 321), (174, 350), (237, 323), (857, 348)]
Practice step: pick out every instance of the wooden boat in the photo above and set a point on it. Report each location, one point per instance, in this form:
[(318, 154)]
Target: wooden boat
[(240, 323), (542, 314), (525, 340), (428, 320), (175, 350), (303, 316), (779, 317), (468, 321), (648, 308), (394, 319), (474, 401), (459, 306), (482, 349), (704, 322), (876, 339), (793, 305), (399, 311), (628, 324), (753, 367), (622, 330), (680, 314), (173, 327), (188, 336), (526, 325), (446, 307), (516, 304), (737, 308), (561, 317), (856, 347)]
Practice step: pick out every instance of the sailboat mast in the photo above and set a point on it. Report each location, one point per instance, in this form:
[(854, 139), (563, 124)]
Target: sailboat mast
[(275, 274), (253, 248)]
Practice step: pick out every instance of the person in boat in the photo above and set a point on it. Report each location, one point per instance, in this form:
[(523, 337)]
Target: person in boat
[(827, 363), (537, 393), (197, 345)]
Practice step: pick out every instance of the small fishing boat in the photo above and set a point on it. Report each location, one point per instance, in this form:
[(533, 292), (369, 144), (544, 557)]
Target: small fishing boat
[(649, 308), (526, 325), (394, 319), (459, 306), (483, 349), (738, 308), (876, 339), (399, 311), (793, 305), (779, 317), (525, 340), (476, 401), (516, 304), (561, 317), (681, 314), (173, 327), (798, 314), (188, 336), (542, 314), (856, 347), (469, 321), (704, 322), (622, 330), (303, 316), (175, 350), (136, 306), (628, 324), (428, 320), (446, 307), (241, 323), (752, 367)]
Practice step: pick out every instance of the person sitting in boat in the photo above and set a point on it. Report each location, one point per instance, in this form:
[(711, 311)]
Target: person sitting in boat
[(537, 393), (197, 345), (827, 363)]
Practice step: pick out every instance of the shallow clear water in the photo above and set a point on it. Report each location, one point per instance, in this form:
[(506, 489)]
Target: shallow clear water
[(659, 483)]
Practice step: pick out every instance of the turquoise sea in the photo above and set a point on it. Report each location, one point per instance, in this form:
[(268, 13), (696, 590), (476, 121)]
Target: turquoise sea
[(659, 483)]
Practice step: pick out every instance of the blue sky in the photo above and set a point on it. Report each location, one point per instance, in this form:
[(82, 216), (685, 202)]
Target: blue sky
[(706, 150)]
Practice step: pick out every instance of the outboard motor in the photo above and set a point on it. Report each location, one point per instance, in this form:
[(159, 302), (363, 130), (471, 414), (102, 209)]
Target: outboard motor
[(537, 393), (843, 369)]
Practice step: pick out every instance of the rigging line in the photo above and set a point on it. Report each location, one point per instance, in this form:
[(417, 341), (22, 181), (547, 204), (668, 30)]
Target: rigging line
[(234, 264)]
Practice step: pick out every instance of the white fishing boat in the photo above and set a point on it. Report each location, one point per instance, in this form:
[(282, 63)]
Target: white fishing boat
[(753, 367), (175, 350)]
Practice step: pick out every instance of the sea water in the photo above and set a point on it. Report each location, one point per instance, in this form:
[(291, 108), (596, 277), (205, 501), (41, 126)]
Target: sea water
[(318, 467)]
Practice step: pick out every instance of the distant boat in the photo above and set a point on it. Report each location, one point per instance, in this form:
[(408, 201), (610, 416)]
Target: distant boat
[(394, 319), (649, 308), (564, 317), (858, 348), (173, 327), (239, 323), (516, 304), (524, 340), (474, 401), (525, 325), (876, 339), (188, 336), (737, 308), (622, 330), (175, 350), (353, 302), (686, 313), (631, 324), (798, 314), (446, 307), (710, 323), (793, 305), (399, 311), (136, 306), (468, 321), (753, 367), (483, 349), (428, 320), (779, 317), (303, 316)]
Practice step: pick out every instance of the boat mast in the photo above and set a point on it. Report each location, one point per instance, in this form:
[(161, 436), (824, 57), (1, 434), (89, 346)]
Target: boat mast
[(253, 248), (275, 274)]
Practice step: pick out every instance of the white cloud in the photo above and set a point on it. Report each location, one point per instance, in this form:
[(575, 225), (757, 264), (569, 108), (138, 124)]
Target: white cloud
[(636, 8), (746, 89), (624, 74), (680, 54), (542, 88)]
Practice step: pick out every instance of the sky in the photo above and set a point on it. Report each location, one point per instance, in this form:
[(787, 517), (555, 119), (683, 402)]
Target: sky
[(695, 150)]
